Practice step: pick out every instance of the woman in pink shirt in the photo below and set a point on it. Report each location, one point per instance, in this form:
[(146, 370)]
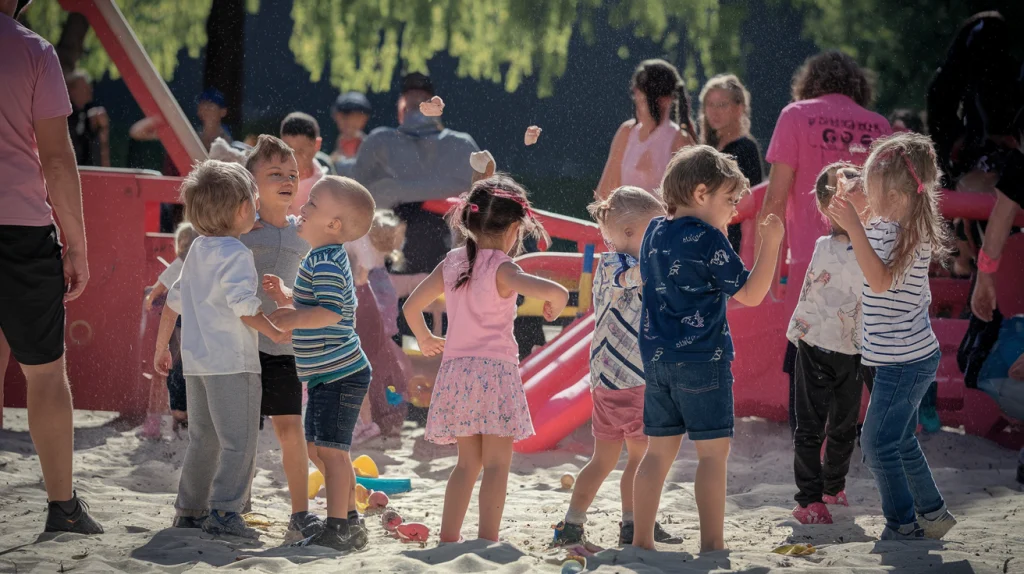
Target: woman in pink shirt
[(826, 123), (661, 126)]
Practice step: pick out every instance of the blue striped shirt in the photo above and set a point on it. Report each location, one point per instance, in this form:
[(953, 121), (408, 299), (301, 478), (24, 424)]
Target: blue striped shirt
[(333, 352), (615, 361), (897, 329)]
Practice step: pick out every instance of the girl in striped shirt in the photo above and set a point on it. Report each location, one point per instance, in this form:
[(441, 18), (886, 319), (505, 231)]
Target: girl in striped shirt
[(901, 178)]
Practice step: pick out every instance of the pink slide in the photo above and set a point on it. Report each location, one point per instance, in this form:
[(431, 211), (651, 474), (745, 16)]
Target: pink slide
[(557, 383)]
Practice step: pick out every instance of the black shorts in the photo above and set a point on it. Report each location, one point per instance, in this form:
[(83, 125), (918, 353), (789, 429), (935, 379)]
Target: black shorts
[(32, 293), (282, 390)]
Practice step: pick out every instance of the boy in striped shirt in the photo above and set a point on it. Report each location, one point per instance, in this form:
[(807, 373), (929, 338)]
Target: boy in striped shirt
[(321, 313)]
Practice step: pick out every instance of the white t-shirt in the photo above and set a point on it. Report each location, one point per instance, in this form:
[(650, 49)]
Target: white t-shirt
[(171, 274), (897, 329), (828, 314), (216, 288), (363, 251)]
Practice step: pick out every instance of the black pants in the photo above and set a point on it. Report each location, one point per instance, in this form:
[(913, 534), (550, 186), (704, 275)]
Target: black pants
[(828, 391)]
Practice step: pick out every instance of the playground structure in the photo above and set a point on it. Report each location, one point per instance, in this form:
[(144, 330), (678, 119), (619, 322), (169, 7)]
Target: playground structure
[(110, 339)]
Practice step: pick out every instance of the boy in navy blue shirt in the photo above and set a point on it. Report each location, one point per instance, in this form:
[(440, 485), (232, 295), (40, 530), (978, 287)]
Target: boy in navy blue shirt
[(689, 271)]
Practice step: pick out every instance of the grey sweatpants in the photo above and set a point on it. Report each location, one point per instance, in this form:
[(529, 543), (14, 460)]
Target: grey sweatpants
[(223, 428)]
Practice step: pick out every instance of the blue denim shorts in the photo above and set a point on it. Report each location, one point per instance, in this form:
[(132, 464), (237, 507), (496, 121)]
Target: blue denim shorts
[(688, 398), (333, 409)]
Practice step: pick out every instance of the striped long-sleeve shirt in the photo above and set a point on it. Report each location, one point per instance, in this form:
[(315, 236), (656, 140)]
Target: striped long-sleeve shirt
[(330, 353), (897, 329)]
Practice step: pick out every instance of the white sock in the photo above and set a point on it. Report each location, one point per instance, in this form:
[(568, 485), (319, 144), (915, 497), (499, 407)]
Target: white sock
[(576, 516), (627, 517)]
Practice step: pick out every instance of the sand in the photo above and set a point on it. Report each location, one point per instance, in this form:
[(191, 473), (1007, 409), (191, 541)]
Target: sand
[(130, 484)]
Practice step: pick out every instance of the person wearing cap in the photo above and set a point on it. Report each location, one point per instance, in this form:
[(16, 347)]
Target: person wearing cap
[(351, 113), (211, 110), (418, 161)]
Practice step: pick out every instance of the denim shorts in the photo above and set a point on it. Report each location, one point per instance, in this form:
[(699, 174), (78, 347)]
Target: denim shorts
[(688, 398), (333, 409)]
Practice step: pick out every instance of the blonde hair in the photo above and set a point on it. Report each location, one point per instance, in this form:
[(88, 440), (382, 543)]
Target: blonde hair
[(359, 205), (184, 235), (904, 165), (695, 165), (739, 95), (624, 204), (212, 193), (825, 190), (387, 233)]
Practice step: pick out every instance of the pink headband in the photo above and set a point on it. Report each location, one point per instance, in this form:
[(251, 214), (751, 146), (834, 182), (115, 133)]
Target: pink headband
[(502, 194), (910, 166)]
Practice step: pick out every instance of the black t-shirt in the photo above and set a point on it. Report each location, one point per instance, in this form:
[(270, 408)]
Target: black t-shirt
[(83, 135), (748, 155)]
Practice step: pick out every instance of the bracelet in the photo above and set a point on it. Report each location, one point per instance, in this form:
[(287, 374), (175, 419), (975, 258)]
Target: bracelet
[(986, 264)]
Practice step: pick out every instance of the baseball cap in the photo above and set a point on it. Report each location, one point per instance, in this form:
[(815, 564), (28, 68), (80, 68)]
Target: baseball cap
[(417, 81), (352, 102), (213, 96)]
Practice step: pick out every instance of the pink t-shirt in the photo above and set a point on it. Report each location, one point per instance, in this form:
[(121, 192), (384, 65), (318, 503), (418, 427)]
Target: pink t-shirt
[(809, 135), (31, 88), (480, 320)]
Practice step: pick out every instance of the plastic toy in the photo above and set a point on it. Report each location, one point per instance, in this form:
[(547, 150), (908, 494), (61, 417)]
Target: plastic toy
[(412, 532), (364, 466), (388, 486), (377, 499), (316, 482), (390, 520), (362, 498), (567, 481)]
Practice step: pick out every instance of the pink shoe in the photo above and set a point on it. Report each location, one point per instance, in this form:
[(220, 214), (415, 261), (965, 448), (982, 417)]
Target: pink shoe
[(837, 500), (816, 513)]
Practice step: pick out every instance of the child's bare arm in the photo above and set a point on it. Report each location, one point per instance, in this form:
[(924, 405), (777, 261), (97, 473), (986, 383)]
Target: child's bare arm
[(261, 323), (511, 278), (424, 294), (155, 291), (876, 273), (763, 272), (304, 317), (162, 356), (276, 290)]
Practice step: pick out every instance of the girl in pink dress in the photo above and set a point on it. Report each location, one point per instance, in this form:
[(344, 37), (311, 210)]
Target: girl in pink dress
[(478, 400)]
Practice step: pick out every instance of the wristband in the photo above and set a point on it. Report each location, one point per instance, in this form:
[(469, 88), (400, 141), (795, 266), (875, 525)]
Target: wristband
[(986, 264)]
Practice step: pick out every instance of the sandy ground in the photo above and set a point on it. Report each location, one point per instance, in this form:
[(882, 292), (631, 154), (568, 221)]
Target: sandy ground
[(130, 484)]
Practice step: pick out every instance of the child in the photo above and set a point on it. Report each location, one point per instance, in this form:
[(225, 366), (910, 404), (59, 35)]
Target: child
[(184, 235), (302, 133), (278, 250), (351, 113), (327, 349), (901, 179), (826, 327), (689, 272), (211, 109), (478, 401), (220, 317), (616, 370)]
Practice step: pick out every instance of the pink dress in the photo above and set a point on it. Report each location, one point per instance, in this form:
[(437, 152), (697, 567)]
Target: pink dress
[(478, 388), (644, 162)]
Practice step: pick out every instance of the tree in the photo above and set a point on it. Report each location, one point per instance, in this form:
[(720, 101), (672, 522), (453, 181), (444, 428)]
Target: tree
[(224, 66)]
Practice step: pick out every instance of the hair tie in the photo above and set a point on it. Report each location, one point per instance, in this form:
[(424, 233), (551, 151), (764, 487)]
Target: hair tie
[(471, 206), (910, 166), (514, 197)]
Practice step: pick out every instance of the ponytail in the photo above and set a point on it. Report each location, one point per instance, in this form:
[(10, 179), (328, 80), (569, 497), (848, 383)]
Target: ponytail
[(681, 109), (467, 273)]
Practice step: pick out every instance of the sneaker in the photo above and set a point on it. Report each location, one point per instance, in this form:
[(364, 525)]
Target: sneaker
[(568, 533), (660, 534), (333, 538), (79, 521), (301, 526), (814, 513), (359, 534), (837, 500), (228, 524), (938, 527), (929, 419), (906, 532), (188, 521)]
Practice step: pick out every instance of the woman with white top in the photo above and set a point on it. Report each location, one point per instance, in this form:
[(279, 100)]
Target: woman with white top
[(661, 126)]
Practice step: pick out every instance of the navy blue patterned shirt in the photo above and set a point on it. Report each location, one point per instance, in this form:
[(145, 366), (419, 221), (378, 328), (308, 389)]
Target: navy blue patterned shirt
[(689, 271)]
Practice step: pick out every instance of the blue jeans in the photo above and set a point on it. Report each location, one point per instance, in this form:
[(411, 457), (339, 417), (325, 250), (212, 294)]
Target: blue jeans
[(890, 445)]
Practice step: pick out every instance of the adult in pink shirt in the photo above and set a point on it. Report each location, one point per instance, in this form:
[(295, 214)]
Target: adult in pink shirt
[(37, 161), (827, 122)]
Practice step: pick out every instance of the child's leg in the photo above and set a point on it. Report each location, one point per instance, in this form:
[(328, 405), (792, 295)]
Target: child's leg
[(496, 457), (709, 490), (842, 425), (635, 450), (311, 451), (813, 379), (294, 458), (234, 403), (927, 498), (203, 446), (650, 478), (460, 487), (338, 478), (606, 456)]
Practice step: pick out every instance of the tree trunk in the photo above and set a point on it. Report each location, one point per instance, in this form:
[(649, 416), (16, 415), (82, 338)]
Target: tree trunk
[(72, 41), (224, 67)]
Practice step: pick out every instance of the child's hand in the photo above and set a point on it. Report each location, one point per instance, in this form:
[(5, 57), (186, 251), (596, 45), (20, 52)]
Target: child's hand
[(147, 303), (772, 229), (431, 346), (843, 213), (433, 108), (281, 336), (552, 309), (532, 135), (162, 361), (276, 290)]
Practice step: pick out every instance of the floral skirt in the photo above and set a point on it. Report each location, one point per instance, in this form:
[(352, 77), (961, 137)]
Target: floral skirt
[(475, 395)]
